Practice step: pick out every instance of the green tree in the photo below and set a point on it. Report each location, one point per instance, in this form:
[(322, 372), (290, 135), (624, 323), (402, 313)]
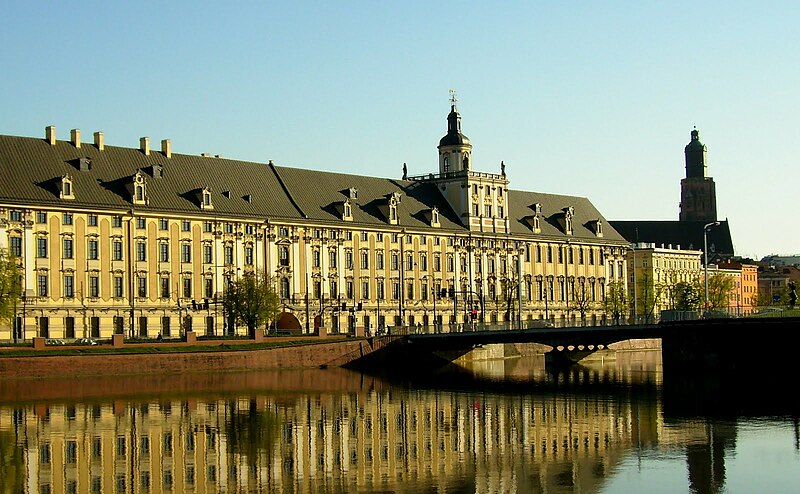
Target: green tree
[(687, 296), (720, 291), (647, 296), (616, 302), (10, 286), (251, 301)]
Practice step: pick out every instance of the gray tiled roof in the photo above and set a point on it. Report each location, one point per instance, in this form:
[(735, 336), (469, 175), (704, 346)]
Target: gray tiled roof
[(29, 167)]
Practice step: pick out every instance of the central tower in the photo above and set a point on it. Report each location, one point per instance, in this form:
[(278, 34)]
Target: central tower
[(479, 199)]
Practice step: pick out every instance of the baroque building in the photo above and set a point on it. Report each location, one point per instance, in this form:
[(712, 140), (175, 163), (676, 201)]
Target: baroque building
[(142, 242)]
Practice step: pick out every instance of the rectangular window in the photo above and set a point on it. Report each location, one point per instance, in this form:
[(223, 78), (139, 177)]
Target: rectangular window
[(208, 227), (92, 220), (16, 215), (140, 223), (315, 258), (41, 247), (488, 211), (141, 287), (379, 260), (348, 259), (379, 289), (116, 221), (364, 259), (41, 217), (363, 236), (69, 286), (333, 259), (141, 251), (186, 226), (68, 250), (118, 287), (349, 289), (207, 254), (163, 224), (94, 286), (248, 255), (187, 288), (41, 282), (208, 290), (423, 262), (163, 252), (365, 289), (92, 251), (66, 219), (15, 245), (186, 252), (165, 287), (228, 250), (116, 250)]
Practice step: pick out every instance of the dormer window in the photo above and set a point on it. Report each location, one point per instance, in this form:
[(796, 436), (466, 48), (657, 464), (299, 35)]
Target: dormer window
[(537, 228), (205, 198), (138, 188), (393, 209), (347, 210), (66, 190), (568, 214), (435, 217), (598, 228)]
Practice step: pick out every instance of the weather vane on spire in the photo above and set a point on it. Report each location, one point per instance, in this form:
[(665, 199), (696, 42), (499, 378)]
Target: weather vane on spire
[(453, 98)]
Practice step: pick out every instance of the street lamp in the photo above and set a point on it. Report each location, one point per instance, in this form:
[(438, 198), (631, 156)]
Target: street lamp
[(706, 228)]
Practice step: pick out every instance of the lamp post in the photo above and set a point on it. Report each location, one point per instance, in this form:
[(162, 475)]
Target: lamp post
[(706, 228), (635, 293)]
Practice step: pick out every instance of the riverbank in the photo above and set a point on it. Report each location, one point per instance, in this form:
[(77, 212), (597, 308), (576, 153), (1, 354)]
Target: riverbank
[(167, 358)]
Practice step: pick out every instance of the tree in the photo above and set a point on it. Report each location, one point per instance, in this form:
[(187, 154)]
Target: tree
[(10, 286), (251, 301), (647, 296), (687, 296), (582, 299), (616, 302), (720, 291)]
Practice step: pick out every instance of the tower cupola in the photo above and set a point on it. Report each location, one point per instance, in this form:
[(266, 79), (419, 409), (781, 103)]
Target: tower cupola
[(455, 150), (696, 157)]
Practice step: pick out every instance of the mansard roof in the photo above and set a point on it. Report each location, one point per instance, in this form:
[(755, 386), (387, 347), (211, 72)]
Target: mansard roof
[(242, 189)]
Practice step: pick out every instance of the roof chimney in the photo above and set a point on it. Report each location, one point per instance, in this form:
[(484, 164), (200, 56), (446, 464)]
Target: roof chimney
[(144, 145), (75, 135), (166, 147), (99, 141), (50, 134)]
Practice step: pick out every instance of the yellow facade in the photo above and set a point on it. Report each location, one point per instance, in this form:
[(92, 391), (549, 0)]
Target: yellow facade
[(655, 272)]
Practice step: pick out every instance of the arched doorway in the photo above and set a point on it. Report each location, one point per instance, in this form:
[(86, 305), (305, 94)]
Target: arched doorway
[(288, 321)]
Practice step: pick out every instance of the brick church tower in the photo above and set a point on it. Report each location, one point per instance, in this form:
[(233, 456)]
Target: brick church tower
[(698, 193)]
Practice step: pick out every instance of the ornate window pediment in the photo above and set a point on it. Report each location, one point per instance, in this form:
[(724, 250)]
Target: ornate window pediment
[(66, 190)]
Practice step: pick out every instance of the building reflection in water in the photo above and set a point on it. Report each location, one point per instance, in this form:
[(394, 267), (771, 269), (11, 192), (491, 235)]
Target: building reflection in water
[(391, 439)]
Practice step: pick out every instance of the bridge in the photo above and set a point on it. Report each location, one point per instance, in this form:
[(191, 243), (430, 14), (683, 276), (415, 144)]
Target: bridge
[(739, 345)]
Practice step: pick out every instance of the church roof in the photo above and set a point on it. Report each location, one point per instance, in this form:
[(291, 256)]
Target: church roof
[(686, 234)]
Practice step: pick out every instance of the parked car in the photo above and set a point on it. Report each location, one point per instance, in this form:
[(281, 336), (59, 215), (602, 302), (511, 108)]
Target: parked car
[(86, 341), (54, 342)]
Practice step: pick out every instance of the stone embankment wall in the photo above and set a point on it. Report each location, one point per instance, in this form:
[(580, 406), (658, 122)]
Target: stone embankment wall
[(292, 357)]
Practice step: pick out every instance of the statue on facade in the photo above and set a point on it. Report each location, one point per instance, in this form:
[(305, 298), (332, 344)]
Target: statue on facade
[(405, 172)]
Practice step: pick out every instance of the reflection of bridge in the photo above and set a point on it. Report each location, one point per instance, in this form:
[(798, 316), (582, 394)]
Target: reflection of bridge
[(721, 344)]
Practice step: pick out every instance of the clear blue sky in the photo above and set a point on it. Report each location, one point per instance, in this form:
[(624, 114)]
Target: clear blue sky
[(595, 99)]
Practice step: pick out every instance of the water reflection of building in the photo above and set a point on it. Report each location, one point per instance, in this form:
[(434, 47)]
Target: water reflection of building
[(374, 440)]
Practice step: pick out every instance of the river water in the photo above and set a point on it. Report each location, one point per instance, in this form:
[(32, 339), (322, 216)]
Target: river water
[(613, 425)]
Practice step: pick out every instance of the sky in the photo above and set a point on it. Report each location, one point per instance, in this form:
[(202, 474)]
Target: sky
[(594, 99)]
